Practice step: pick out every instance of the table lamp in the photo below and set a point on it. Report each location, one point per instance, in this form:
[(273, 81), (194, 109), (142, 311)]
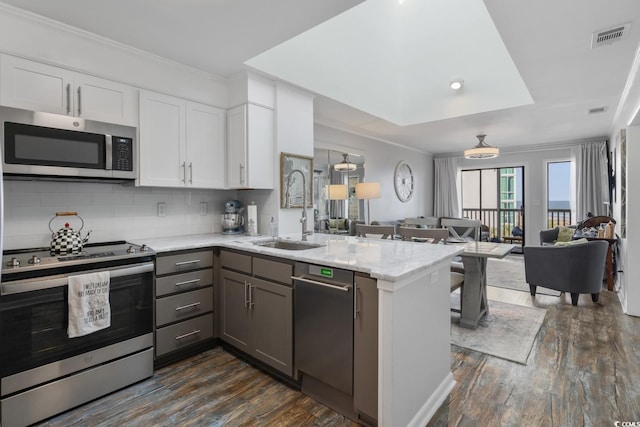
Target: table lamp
[(368, 191), (337, 192)]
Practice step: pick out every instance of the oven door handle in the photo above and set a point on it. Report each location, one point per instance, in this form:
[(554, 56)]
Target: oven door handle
[(28, 285)]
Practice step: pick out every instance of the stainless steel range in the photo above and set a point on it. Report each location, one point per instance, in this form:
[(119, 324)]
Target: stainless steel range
[(43, 371)]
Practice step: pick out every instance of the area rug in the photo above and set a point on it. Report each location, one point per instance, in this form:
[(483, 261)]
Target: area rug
[(507, 332), (508, 273)]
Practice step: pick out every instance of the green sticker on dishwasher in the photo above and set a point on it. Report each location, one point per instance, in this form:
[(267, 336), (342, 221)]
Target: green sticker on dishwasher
[(326, 272)]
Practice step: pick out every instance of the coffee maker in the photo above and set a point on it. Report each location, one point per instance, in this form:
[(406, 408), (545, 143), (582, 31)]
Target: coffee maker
[(232, 221)]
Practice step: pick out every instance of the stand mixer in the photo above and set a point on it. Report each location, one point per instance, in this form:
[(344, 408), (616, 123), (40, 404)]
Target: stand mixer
[(232, 221)]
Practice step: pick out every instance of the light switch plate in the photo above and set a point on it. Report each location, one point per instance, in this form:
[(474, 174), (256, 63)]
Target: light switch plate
[(203, 208)]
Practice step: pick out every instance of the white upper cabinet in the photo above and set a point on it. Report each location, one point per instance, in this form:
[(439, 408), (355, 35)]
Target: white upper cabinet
[(205, 145), (250, 147), (181, 143), (105, 101), (34, 86), (162, 140)]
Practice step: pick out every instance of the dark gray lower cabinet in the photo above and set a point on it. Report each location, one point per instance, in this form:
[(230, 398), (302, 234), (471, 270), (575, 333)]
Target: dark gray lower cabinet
[(235, 316), (256, 315), (365, 349), (183, 303)]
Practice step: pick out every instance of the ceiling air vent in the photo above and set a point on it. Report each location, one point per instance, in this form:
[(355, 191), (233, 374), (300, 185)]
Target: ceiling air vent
[(596, 110), (610, 35)]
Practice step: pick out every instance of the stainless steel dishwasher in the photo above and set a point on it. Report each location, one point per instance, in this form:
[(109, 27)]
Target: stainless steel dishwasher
[(324, 301)]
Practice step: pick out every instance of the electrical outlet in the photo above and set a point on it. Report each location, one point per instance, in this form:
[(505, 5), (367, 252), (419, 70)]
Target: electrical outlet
[(162, 209), (203, 208)]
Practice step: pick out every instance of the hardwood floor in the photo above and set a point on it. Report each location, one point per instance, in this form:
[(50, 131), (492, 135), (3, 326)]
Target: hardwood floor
[(584, 370), (213, 388)]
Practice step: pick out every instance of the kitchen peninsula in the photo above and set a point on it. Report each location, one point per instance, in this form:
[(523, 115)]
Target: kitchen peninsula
[(414, 375)]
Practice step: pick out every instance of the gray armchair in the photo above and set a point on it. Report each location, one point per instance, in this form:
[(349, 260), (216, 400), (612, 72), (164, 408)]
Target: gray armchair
[(577, 269), (549, 236)]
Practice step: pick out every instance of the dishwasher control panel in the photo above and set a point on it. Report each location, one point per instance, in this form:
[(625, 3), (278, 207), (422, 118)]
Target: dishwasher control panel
[(324, 273)]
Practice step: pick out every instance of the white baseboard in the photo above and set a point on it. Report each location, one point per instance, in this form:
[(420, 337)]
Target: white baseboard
[(423, 416)]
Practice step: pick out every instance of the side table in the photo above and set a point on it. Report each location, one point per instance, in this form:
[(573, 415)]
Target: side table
[(610, 269)]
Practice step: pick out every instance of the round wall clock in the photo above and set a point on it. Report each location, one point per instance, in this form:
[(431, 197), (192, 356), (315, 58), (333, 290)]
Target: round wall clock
[(403, 181)]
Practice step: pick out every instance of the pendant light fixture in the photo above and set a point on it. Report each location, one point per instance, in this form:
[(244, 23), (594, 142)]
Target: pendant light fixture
[(482, 150), (345, 164)]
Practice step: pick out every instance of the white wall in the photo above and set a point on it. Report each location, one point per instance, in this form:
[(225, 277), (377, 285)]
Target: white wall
[(627, 279), (534, 162), (628, 118), (380, 162), (630, 277), (112, 211), (294, 119)]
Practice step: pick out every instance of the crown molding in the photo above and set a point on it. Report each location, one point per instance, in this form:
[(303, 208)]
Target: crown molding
[(78, 32)]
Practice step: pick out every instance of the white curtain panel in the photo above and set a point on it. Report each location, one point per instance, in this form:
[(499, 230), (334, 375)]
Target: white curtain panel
[(445, 191), (592, 182)]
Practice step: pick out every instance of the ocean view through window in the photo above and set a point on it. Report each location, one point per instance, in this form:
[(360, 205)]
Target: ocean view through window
[(559, 191)]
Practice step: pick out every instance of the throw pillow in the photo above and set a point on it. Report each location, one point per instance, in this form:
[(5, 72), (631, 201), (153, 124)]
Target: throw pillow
[(572, 242), (577, 241), (565, 234)]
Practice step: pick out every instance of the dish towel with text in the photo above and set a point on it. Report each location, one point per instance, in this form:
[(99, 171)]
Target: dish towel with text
[(89, 309)]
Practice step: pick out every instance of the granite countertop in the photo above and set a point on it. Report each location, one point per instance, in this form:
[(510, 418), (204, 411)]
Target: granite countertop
[(389, 260)]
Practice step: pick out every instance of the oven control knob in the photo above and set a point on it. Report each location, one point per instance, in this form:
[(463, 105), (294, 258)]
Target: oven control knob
[(144, 248), (13, 262), (131, 250), (34, 260)]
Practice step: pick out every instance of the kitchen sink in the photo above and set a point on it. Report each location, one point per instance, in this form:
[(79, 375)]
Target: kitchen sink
[(289, 245)]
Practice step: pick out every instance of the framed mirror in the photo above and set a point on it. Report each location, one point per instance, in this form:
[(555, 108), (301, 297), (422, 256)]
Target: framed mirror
[(296, 179), (333, 211)]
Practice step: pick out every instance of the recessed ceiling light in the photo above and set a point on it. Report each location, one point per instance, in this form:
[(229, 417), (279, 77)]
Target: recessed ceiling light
[(400, 2), (456, 84)]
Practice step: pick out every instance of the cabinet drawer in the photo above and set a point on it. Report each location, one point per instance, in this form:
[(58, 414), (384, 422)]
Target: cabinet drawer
[(183, 334), (183, 282), (272, 270), (183, 262), (235, 261), (182, 306)]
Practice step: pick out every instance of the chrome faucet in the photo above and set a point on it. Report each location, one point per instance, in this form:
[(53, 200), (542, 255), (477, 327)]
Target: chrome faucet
[(303, 219)]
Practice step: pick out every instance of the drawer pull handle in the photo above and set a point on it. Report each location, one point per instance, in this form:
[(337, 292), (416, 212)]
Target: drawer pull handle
[(188, 334), (187, 282), (181, 263), (184, 307)]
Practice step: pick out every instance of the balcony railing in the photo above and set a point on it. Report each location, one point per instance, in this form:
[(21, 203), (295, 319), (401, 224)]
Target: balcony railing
[(499, 221), (556, 217), (502, 221)]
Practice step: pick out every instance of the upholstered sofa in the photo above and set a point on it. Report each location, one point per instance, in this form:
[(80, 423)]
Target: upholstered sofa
[(552, 235), (577, 268)]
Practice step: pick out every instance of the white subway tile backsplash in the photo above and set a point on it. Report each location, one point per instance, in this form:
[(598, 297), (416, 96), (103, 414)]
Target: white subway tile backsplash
[(115, 199), (35, 186), (22, 199), (111, 211)]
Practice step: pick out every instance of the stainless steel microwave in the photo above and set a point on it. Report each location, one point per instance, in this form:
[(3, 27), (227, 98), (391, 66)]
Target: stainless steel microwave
[(44, 144)]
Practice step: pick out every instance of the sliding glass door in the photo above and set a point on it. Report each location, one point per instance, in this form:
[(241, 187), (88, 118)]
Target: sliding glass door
[(496, 197)]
